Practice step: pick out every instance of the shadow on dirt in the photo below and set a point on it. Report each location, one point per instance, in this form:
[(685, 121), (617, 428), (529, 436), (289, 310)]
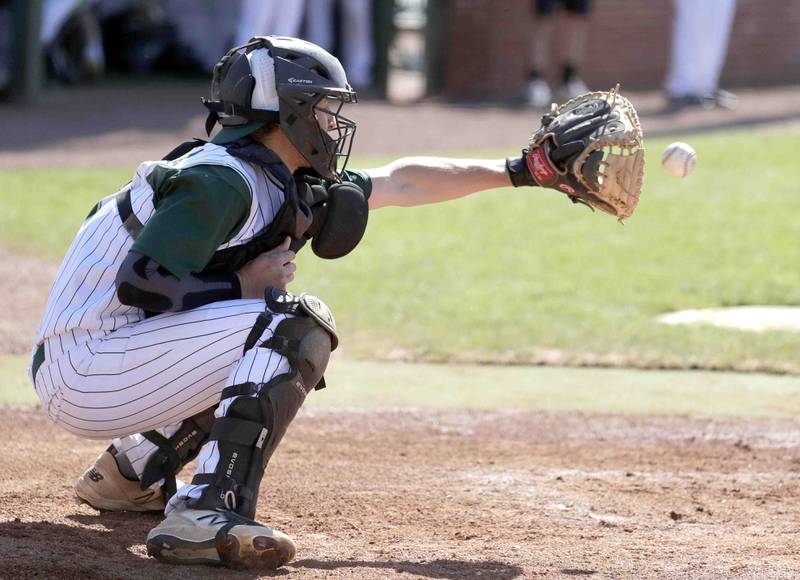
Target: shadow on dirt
[(110, 545), (50, 549), (446, 569), (107, 545)]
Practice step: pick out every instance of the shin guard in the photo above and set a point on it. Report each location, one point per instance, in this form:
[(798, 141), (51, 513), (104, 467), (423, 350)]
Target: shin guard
[(256, 421)]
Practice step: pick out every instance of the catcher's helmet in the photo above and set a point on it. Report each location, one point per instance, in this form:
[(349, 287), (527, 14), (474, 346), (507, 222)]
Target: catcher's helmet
[(284, 80)]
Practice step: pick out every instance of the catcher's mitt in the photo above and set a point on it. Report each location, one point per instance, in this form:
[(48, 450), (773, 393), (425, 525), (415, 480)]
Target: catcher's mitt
[(590, 148)]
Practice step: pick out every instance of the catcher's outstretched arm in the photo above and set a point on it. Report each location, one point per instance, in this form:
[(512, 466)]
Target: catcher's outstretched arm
[(414, 181)]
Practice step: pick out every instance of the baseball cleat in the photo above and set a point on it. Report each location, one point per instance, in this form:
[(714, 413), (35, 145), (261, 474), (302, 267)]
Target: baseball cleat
[(219, 538), (103, 487)]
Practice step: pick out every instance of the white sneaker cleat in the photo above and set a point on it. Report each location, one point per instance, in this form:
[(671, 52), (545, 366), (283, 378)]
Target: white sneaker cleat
[(218, 537), (538, 94), (103, 487)]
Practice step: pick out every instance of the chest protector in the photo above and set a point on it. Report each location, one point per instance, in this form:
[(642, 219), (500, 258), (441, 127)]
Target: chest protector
[(334, 216), (292, 219)]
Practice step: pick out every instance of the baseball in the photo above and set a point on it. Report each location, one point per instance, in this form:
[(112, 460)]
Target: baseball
[(679, 159)]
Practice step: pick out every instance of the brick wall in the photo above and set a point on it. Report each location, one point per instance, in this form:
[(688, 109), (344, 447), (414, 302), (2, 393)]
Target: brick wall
[(487, 45)]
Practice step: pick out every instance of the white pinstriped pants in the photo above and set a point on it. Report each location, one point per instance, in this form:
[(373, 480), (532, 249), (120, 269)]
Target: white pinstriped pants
[(155, 373)]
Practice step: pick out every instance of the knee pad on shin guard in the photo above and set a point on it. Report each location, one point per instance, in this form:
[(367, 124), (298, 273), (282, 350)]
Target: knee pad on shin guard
[(306, 345)]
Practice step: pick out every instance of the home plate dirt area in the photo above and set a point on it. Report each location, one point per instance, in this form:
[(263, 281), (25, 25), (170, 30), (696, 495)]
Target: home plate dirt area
[(452, 494)]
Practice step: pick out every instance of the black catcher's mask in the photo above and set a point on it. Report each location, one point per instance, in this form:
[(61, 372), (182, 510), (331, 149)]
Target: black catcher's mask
[(309, 82)]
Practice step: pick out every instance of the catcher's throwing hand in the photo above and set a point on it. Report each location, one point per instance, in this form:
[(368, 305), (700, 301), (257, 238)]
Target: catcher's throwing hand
[(273, 268), (592, 149)]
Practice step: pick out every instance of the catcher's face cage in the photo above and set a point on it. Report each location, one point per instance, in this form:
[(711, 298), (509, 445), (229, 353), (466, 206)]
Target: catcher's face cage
[(308, 81), (328, 144)]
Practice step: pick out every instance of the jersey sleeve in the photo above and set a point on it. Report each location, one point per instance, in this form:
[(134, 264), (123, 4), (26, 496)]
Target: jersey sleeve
[(360, 178), (197, 210)]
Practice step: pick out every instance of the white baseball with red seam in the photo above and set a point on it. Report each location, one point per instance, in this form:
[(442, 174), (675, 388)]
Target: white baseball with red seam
[(679, 159)]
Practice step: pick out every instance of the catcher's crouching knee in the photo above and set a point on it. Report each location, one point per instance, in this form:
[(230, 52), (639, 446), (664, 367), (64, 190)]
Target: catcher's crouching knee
[(310, 346), (306, 337)]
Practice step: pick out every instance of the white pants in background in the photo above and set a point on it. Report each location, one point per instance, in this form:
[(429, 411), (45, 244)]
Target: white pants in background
[(357, 41), (269, 17), (700, 33)]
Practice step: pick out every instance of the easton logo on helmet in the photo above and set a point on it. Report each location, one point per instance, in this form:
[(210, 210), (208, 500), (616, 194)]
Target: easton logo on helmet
[(295, 80)]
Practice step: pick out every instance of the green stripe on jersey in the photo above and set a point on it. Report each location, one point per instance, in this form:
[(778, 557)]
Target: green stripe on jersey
[(197, 210)]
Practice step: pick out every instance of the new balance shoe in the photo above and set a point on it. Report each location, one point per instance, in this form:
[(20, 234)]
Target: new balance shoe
[(104, 487)]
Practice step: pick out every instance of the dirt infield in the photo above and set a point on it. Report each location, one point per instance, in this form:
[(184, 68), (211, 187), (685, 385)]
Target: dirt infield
[(391, 493)]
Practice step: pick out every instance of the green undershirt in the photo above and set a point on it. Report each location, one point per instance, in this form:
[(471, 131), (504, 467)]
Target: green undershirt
[(197, 210)]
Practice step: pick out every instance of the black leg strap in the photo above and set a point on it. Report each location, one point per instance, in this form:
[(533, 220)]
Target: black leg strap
[(238, 432), (161, 464), (229, 493), (261, 324), (173, 453), (283, 346), (245, 389), (258, 415)]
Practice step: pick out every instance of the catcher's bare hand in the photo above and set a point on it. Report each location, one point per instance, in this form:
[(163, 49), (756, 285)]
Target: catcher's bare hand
[(273, 268), (592, 149)]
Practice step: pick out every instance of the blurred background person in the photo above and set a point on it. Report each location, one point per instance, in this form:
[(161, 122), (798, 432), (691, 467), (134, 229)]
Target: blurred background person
[(143, 37), (203, 32), (72, 40), (700, 34), (571, 48), (264, 17), (355, 39)]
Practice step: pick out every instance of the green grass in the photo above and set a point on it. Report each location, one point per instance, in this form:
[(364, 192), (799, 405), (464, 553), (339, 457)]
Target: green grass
[(43, 208), (586, 390), (15, 388), (517, 274), (524, 275), (369, 383)]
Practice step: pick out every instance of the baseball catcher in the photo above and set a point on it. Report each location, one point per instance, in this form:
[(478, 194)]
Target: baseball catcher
[(169, 329)]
